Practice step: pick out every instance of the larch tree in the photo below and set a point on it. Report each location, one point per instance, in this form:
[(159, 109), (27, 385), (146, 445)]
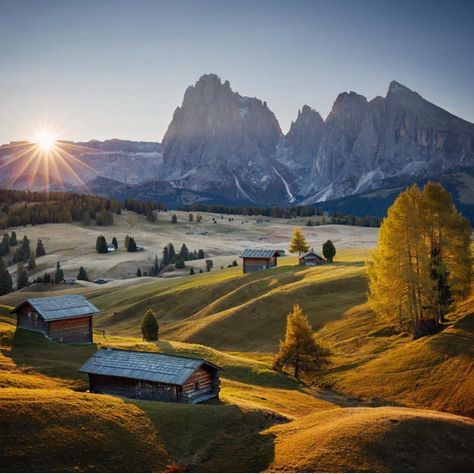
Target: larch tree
[(298, 241), (299, 350), (422, 262)]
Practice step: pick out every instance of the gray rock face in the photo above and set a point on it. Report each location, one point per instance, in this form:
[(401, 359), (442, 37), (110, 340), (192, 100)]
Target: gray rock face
[(221, 142), (301, 144), (223, 147), (396, 139)]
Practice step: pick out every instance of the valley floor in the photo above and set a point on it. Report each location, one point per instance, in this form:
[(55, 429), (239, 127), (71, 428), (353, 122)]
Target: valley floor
[(383, 403)]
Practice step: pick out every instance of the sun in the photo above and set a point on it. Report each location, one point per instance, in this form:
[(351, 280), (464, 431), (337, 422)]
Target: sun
[(45, 140)]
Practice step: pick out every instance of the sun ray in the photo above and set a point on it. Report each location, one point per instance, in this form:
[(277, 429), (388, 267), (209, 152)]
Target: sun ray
[(71, 171), (20, 172), (17, 157)]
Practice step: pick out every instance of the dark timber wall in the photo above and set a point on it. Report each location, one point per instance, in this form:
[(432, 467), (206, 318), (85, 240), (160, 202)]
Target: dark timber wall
[(256, 264)]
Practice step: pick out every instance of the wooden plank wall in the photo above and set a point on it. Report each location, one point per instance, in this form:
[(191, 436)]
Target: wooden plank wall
[(71, 330)]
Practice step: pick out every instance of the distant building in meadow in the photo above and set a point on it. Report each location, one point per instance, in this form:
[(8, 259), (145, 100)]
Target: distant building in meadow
[(111, 248), (65, 318), (152, 376), (311, 259), (259, 259)]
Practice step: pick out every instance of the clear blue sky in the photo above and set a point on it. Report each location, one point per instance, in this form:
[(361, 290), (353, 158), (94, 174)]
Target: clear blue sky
[(114, 68)]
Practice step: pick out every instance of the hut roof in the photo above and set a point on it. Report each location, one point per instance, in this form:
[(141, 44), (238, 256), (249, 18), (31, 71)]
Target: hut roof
[(259, 253), (149, 366), (52, 308), (311, 253)]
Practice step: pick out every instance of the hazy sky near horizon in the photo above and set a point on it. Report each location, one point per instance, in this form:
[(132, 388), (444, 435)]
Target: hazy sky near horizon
[(119, 68)]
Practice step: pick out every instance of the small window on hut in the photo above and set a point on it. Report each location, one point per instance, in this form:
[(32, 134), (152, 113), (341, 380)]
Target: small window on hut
[(196, 385)]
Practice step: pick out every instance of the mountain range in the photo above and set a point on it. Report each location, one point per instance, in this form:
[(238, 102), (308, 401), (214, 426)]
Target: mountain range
[(223, 147)]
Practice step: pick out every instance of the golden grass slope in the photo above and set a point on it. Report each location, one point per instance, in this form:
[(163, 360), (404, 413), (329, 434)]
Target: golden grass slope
[(374, 440), (435, 371)]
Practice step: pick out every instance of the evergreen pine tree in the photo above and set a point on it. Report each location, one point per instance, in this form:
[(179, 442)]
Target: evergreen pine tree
[(22, 276), (115, 243), (132, 245), (191, 271), (156, 267), (179, 263), (184, 253), (25, 248), (40, 251), (59, 274), (174, 219), (298, 241), (299, 350), (171, 253), (82, 275), (166, 257), (190, 217), (31, 261), (125, 243), (329, 251), (150, 326), (13, 240), (200, 254), (6, 243), (209, 265), (101, 244), (139, 272)]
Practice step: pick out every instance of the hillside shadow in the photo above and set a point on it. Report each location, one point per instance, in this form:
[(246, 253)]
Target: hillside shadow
[(30, 350), (213, 437)]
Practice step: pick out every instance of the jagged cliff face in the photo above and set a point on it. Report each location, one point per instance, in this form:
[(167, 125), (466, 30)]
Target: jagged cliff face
[(224, 147), (301, 145), (387, 141), (221, 142)]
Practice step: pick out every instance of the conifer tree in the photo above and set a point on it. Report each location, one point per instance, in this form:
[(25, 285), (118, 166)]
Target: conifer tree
[(191, 271), (25, 248), (166, 257), (139, 272), (101, 244), (200, 254), (150, 326), (132, 245), (82, 275), (155, 270), (179, 263), (22, 276), (171, 253), (6, 243), (115, 243), (59, 274), (125, 243), (329, 251), (13, 240), (174, 219), (184, 253), (299, 350), (40, 251), (190, 217), (5, 280), (209, 265), (298, 241), (31, 261)]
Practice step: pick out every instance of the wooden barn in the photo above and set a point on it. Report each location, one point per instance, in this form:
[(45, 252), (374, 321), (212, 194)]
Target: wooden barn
[(311, 259), (65, 318), (259, 259), (152, 376)]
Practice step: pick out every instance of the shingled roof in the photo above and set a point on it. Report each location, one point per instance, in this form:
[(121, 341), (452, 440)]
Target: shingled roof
[(149, 366), (259, 253), (52, 308)]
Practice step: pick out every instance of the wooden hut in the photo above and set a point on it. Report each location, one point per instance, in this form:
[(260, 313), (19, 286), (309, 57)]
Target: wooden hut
[(65, 318), (259, 259), (311, 259), (152, 376)]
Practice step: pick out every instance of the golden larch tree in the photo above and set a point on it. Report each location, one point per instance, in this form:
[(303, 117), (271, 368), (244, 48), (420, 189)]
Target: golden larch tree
[(298, 241), (422, 259), (299, 350)]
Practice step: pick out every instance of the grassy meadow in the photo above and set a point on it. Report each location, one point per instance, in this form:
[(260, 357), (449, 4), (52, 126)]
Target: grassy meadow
[(383, 403)]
